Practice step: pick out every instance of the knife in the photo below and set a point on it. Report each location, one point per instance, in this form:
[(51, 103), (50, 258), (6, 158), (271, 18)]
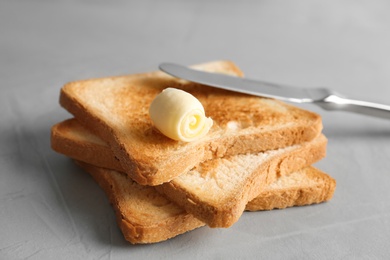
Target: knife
[(323, 97)]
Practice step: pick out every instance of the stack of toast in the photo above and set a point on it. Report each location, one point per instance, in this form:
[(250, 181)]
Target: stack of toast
[(257, 155)]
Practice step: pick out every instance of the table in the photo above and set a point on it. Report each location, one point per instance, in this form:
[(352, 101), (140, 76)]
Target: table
[(50, 209)]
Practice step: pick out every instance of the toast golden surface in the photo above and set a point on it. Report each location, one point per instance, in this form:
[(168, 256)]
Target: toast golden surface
[(144, 216), (116, 110), (215, 191)]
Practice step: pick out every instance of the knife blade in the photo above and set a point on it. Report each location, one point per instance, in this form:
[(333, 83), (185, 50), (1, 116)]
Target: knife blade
[(242, 85), (323, 97)]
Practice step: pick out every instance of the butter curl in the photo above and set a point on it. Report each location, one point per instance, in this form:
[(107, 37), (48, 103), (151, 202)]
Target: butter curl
[(179, 115)]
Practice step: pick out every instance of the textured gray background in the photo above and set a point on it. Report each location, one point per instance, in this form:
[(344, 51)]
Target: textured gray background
[(49, 209)]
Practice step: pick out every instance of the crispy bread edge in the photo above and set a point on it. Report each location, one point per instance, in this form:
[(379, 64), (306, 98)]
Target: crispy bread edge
[(138, 233)]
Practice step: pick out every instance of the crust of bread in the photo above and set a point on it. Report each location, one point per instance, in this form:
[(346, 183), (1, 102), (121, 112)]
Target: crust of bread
[(218, 204), (304, 187), (72, 139), (116, 109), (144, 216)]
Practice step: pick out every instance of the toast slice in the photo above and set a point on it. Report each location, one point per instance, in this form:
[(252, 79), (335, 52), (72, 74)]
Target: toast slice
[(144, 216), (304, 187), (116, 110), (215, 191)]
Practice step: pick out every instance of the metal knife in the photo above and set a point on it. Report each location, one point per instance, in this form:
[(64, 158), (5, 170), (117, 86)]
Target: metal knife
[(323, 97)]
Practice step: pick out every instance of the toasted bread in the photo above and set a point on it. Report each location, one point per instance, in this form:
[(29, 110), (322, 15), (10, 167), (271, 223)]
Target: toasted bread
[(303, 187), (116, 110), (217, 190), (144, 216)]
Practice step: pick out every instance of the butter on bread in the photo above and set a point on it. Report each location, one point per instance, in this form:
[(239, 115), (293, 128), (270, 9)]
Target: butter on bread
[(179, 115), (116, 110), (217, 190)]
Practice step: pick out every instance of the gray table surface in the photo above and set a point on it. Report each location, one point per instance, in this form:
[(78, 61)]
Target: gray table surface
[(50, 209)]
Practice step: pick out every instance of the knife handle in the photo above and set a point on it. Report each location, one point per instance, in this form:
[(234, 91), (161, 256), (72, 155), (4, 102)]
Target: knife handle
[(336, 102)]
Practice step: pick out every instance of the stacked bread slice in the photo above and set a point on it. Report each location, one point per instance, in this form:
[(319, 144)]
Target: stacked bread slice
[(257, 155)]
